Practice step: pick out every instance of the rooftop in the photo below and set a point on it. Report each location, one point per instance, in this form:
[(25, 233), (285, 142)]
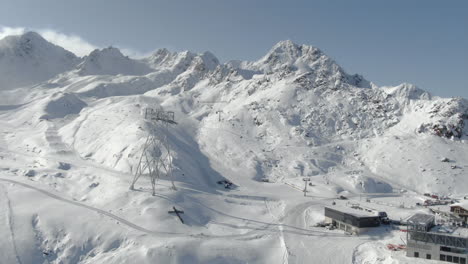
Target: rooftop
[(463, 203), (352, 211), (421, 219), (450, 230)]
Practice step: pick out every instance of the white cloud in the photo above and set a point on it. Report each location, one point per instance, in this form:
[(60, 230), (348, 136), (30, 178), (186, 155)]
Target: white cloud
[(7, 31), (70, 42), (134, 53)]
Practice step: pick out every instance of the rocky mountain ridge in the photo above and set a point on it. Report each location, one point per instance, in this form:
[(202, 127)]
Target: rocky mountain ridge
[(295, 96)]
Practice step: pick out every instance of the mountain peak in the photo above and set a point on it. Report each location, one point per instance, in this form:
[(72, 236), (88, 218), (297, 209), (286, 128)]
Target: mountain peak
[(285, 45), (289, 54), (408, 91), (29, 43), (210, 60), (293, 49), (285, 48), (29, 58), (111, 61), (29, 36), (109, 51)]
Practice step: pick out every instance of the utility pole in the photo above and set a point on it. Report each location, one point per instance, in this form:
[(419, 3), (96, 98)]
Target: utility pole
[(306, 180)]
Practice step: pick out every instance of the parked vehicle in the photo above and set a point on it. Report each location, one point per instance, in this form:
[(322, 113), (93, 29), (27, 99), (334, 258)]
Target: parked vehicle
[(384, 218), (322, 224), (227, 184)]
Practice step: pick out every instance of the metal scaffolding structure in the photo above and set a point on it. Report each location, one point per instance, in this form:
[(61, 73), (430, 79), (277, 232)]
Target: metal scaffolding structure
[(438, 238), (156, 156)]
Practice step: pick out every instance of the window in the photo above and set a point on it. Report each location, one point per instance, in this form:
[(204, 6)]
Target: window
[(416, 254), (454, 250), (449, 258), (456, 259), (428, 256), (447, 249), (462, 260), (442, 257)]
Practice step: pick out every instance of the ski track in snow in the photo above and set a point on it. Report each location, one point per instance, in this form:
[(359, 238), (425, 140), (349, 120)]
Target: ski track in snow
[(10, 222), (281, 234), (55, 141), (3, 142)]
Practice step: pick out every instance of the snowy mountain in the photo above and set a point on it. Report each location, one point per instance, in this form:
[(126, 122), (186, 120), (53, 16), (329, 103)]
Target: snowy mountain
[(287, 56), (71, 138), (110, 61), (29, 59)]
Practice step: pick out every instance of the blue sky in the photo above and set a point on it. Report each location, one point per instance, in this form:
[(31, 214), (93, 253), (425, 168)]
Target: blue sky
[(423, 42)]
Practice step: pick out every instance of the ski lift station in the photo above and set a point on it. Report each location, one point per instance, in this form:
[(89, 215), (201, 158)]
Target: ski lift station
[(438, 242), (351, 220)]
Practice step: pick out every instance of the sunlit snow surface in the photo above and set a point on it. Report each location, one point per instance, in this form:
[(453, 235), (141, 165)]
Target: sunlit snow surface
[(69, 144)]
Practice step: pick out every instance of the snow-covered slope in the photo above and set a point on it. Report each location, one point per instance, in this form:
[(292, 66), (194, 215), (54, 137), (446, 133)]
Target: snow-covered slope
[(263, 125)]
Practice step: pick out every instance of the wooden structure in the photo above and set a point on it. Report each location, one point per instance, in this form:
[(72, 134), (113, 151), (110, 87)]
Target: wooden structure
[(461, 210), (178, 213)]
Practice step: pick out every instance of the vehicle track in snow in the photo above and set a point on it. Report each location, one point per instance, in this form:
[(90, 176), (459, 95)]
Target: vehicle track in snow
[(97, 210), (356, 251), (255, 231)]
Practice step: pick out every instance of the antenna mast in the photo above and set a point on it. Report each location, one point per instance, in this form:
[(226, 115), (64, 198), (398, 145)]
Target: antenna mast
[(156, 157)]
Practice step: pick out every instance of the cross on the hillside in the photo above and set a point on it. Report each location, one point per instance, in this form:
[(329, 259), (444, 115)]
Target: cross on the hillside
[(177, 212)]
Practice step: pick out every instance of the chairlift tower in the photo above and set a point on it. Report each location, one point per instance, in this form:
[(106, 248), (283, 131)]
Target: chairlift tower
[(218, 112), (156, 156)]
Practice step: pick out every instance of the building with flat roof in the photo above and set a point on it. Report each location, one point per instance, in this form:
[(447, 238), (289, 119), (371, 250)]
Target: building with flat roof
[(429, 241), (351, 220)]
